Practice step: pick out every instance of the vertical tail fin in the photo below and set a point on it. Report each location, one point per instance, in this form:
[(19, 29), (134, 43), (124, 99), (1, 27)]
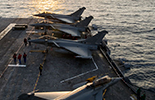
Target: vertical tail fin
[(78, 13), (96, 39), (84, 22)]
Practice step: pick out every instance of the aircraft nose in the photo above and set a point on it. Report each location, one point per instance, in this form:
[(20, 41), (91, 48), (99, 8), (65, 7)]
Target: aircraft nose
[(41, 14), (36, 15)]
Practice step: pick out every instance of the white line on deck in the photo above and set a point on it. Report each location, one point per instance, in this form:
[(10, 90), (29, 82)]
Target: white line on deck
[(17, 65), (81, 73), (6, 30)]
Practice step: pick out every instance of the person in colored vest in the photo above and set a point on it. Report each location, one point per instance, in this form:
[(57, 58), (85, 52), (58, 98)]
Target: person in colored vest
[(29, 41), (25, 41), (24, 56), (40, 69), (14, 57), (19, 58)]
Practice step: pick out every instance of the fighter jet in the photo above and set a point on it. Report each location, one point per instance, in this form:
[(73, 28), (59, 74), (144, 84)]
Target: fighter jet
[(72, 18), (82, 47), (74, 30), (90, 91)]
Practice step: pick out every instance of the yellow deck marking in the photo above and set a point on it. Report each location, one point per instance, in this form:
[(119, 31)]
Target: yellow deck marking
[(39, 74), (36, 82)]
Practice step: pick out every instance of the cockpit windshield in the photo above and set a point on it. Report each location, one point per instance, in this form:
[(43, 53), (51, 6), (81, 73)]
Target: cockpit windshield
[(102, 81)]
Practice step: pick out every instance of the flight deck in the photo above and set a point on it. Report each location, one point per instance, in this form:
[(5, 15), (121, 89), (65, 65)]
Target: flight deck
[(61, 70)]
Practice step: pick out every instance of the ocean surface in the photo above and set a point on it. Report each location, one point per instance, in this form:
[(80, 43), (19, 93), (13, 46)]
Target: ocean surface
[(130, 23)]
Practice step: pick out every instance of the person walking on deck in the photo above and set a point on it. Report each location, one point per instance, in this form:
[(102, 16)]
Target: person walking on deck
[(14, 57), (24, 56), (25, 41), (40, 69), (29, 41), (19, 58)]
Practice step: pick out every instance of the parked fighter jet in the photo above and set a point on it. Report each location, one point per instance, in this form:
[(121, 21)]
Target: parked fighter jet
[(90, 91), (75, 30), (72, 18), (80, 47)]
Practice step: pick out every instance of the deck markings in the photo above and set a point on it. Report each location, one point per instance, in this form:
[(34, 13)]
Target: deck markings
[(36, 82), (17, 65), (6, 30), (81, 73), (11, 59)]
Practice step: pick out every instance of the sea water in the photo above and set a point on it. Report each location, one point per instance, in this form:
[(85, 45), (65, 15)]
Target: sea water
[(130, 23)]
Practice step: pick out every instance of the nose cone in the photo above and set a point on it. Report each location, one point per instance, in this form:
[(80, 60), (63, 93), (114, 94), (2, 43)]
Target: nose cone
[(36, 15), (41, 14)]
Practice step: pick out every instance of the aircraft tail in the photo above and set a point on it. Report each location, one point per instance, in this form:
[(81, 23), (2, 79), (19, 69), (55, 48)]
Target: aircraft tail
[(84, 22), (78, 12), (96, 39)]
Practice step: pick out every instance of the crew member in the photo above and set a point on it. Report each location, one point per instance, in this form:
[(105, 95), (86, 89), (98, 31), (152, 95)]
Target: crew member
[(19, 58), (25, 41), (14, 57), (24, 56), (40, 69), (29, 41)]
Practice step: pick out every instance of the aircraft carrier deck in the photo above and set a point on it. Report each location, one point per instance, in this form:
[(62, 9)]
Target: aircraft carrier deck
[(60, 72)]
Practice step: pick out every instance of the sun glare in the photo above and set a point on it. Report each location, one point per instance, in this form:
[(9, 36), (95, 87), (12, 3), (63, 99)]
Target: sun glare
[(45, 5)]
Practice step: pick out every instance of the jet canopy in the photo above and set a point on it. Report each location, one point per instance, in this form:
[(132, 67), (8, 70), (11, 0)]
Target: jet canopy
[(103, 80)]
